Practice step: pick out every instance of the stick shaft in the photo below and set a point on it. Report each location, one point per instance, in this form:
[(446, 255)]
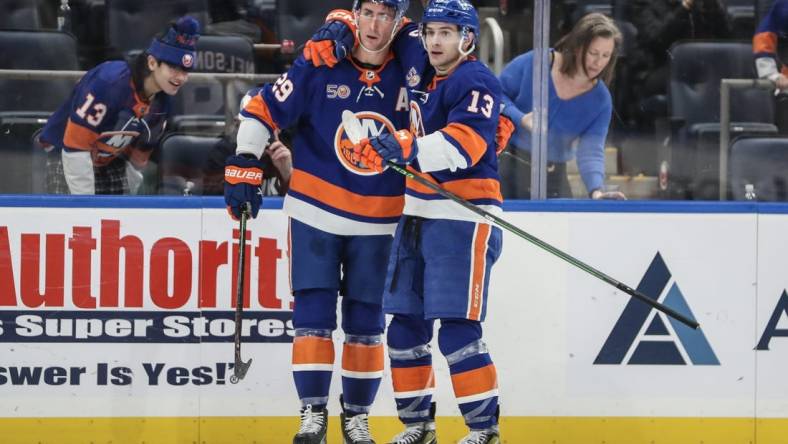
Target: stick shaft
[(545, 246), (239, 289)]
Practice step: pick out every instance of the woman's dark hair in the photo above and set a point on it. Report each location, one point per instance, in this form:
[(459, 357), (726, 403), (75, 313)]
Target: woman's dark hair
[(576, 43), (139, 71)]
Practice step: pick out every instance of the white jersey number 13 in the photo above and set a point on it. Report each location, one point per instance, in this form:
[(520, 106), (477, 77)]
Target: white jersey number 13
[(486, 108)]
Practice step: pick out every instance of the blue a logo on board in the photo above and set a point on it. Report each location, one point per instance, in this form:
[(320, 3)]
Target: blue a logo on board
[(771, 329), (641, 335)]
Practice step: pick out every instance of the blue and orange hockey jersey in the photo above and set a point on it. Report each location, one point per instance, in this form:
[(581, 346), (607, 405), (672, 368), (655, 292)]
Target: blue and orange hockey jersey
[(456, 114), (329, 189), (773, 26), (104, 115)]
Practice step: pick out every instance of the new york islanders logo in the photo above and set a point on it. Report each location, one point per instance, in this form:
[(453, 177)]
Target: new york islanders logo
[(373, 125), (416, 121), (642, 335)]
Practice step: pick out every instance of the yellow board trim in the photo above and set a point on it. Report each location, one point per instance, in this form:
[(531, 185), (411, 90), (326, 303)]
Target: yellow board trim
[(279, 430)]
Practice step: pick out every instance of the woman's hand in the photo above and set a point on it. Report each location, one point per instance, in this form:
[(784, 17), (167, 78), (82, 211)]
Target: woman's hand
[(527, 122), (607, 195), (281, 157)]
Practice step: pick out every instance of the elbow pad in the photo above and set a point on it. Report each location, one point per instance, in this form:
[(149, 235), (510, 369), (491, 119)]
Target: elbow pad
[(78, 169), (436, 153), (252, 137), (767, 68)]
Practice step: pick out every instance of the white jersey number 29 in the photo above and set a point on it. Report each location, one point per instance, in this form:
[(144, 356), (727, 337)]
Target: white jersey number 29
[(486, 108), (282, 88)]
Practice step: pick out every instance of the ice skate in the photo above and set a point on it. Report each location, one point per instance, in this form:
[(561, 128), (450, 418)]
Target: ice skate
[(314, 426)]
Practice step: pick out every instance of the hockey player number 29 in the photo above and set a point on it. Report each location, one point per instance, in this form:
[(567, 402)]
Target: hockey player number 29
[(486, 108), (96, 114), (282, 88)]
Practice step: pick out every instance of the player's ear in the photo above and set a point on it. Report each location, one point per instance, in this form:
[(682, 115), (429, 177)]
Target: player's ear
[(152, 62), (468, 40)]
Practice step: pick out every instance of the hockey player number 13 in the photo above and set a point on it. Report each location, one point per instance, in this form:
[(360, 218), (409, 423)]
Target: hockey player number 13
[(486, 108), (97, 112)]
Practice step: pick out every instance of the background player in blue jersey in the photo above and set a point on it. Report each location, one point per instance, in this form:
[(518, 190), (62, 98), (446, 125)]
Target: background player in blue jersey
[(342, 213), (442, 253), (769, 48), (104, 133), (772, 28)]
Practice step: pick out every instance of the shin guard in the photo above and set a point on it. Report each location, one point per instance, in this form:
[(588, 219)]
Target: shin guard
[(411, 367), (362, 370), (313, 362), (473, 373)]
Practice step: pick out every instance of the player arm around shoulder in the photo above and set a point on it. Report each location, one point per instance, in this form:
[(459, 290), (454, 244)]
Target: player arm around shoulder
[(448, 35), (341, 34)]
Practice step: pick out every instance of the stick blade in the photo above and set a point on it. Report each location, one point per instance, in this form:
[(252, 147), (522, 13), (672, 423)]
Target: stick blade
[(352, 126), (239, 370)]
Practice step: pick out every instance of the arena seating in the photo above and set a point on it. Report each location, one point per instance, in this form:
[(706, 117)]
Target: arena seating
[(297, 20), (181, 163), (742, 17), (36, 50), (199, 107), (762, 162), (131, 24), (26, 104), (579, 8), (20, 14), (694, 107)]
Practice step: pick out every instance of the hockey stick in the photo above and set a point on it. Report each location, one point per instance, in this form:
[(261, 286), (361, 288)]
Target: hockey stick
[(240, 368), (119, 133), (517, 158), (354, 131)]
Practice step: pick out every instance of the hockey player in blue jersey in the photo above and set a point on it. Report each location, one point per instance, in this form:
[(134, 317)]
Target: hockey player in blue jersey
[(442, 253), (765, 42), (342, 213), (103, 135)]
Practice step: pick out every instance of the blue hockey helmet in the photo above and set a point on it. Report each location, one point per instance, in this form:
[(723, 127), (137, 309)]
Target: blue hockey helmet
[(458, 12), (401, 6)]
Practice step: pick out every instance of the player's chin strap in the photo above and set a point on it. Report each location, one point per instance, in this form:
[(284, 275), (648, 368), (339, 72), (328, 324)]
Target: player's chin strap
[(385, 47), (465, 36)]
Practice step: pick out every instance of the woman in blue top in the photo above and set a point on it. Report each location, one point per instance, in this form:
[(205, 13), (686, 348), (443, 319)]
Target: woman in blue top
[(579, 105)]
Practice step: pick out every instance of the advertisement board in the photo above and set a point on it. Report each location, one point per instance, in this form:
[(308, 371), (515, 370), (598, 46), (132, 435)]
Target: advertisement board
[(129, 310)]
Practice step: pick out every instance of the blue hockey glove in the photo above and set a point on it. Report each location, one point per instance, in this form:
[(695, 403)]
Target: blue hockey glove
[(330, 44), (243, 177), (399, 147)]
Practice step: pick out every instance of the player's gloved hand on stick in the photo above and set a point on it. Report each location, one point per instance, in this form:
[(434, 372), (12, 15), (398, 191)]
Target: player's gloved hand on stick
[(399, 147), (243, 177), (331, 43)]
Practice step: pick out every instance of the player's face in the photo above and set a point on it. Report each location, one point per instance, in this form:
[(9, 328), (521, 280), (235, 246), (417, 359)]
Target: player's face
[(598, 55), (168, 78), (375, 24), (442, 42)]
